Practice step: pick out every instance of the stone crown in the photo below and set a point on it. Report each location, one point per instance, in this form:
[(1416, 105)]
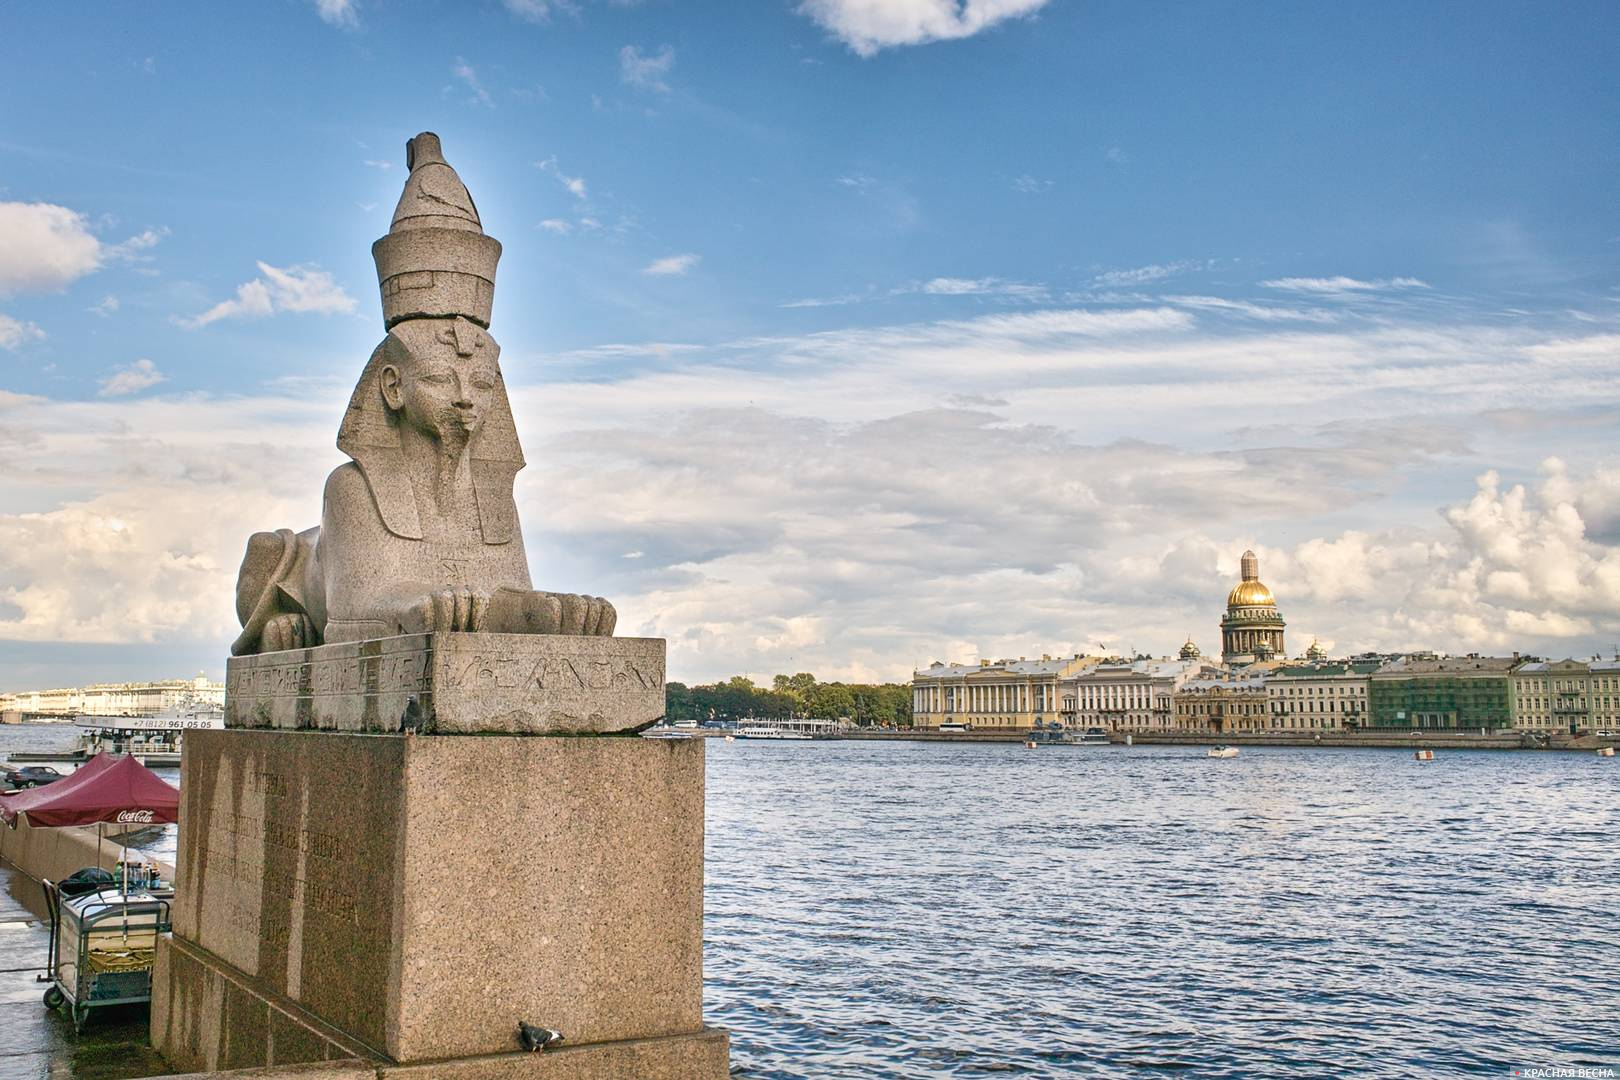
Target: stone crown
[(435, 261)]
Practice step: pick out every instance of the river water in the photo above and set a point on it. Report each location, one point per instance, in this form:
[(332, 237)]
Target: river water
[(914, 910)]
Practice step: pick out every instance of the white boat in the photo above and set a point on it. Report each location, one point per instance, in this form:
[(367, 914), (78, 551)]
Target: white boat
[(1607, 751), (156, 740), (1424, 755), (1222, 751), (1090, 737), (769, 731)]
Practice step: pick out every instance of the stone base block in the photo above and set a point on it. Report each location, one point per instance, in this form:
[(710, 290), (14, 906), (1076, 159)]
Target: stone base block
[(209, 1017), (422, 894), (452, 684), (213, 1019)]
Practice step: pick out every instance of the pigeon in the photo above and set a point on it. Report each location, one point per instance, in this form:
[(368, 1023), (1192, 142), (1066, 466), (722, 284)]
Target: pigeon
[(535, 1039)]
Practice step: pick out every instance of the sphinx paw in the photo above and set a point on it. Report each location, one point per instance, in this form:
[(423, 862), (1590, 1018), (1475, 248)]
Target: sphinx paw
[(287, 632)]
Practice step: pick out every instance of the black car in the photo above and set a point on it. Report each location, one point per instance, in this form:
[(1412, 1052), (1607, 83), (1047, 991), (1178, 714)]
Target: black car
[(32, 776)]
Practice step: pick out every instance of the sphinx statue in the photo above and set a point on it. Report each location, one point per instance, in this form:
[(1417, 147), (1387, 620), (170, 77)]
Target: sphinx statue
[(419, 532)]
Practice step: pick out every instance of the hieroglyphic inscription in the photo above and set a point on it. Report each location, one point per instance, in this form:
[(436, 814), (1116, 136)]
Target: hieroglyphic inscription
[(493, 671), (329, 676)]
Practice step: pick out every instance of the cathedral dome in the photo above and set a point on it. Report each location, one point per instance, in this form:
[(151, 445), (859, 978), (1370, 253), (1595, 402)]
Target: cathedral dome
[(1250, 594), (1251, 591)]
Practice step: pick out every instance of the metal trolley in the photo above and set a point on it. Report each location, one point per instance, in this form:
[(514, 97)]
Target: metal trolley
[(102, 946)]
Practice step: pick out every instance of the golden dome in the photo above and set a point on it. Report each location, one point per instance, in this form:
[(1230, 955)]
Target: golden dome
[(1250, 594)]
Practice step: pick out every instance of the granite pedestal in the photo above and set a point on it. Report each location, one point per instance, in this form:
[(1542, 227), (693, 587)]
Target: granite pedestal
[(409, 898)]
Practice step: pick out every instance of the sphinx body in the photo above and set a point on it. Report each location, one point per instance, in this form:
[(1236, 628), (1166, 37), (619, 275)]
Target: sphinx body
[(419, 532)]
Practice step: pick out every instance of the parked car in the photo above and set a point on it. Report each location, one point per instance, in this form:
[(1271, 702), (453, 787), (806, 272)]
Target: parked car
[(33, 776), (1602, 734)]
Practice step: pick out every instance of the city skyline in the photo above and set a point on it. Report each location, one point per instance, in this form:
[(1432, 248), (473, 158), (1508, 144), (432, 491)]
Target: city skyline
[(837, 344)]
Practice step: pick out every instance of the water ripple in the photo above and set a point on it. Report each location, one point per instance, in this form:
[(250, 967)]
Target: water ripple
[(903, 910)]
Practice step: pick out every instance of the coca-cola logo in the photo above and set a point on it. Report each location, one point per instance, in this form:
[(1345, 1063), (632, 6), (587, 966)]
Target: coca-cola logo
[(135, 817)]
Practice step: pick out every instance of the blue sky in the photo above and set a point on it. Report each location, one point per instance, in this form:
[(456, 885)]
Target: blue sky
[(844, 336)]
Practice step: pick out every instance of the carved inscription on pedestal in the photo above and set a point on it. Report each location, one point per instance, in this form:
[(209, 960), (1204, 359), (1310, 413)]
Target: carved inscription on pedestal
[(452, 684)]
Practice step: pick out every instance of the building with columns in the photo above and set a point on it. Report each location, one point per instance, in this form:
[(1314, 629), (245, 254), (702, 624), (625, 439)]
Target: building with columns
[(1013, 695), (1252, 628), (113, 699), (1131, 695)]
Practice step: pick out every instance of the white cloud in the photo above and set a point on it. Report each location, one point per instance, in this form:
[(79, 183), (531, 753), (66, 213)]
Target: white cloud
[(868, 26), (344, 13), (671, 265), (1250, 310), (1141, 275), (14, 333), (47, 247), (105, 306), (1342, 286), (1116, 155), (469, 77), (384, 165), (646, 71), (1029, 185), (557, 225), (575, 184), (44, 247), (540, 10), (1046, 480), (129, 380), (296, 288)]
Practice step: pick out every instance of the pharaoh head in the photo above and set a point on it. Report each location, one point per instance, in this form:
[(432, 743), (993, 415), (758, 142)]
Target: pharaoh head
[(437, 373)]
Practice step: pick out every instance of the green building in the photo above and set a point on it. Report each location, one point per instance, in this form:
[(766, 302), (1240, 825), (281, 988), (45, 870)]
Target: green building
[(1449, 693)]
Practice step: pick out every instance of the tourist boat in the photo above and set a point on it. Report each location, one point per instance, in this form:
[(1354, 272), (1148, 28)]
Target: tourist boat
[(155, 741), (769, 729), (1607, 751), (1222, 751), (1090, 737), (1424, 755), (797, 728)]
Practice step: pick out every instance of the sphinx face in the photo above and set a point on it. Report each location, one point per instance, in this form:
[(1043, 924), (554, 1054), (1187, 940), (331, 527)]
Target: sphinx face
[(441, 377)]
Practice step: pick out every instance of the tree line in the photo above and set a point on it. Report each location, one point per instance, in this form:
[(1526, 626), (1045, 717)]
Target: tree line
[(738, 698)]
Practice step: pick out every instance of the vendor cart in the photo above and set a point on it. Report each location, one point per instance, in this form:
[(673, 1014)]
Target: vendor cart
[(104, 928), (102, 947)]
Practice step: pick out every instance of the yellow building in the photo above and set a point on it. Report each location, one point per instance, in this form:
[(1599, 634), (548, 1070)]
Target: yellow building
[(1234, 703)]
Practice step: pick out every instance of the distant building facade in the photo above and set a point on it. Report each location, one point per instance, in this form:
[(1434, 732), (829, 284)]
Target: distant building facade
[(1221, 705), (1319, 695), (1131, 695), (1451, 692), (993, 694), (1252, 628), (1560, 695), (114, 699)]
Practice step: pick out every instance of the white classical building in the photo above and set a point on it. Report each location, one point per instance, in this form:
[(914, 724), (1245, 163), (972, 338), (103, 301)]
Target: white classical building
[(114, 699), (1006, 694), (1131, 695)]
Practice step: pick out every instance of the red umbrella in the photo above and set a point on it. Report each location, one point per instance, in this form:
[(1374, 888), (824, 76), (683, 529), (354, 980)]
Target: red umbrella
[(114, 790)]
